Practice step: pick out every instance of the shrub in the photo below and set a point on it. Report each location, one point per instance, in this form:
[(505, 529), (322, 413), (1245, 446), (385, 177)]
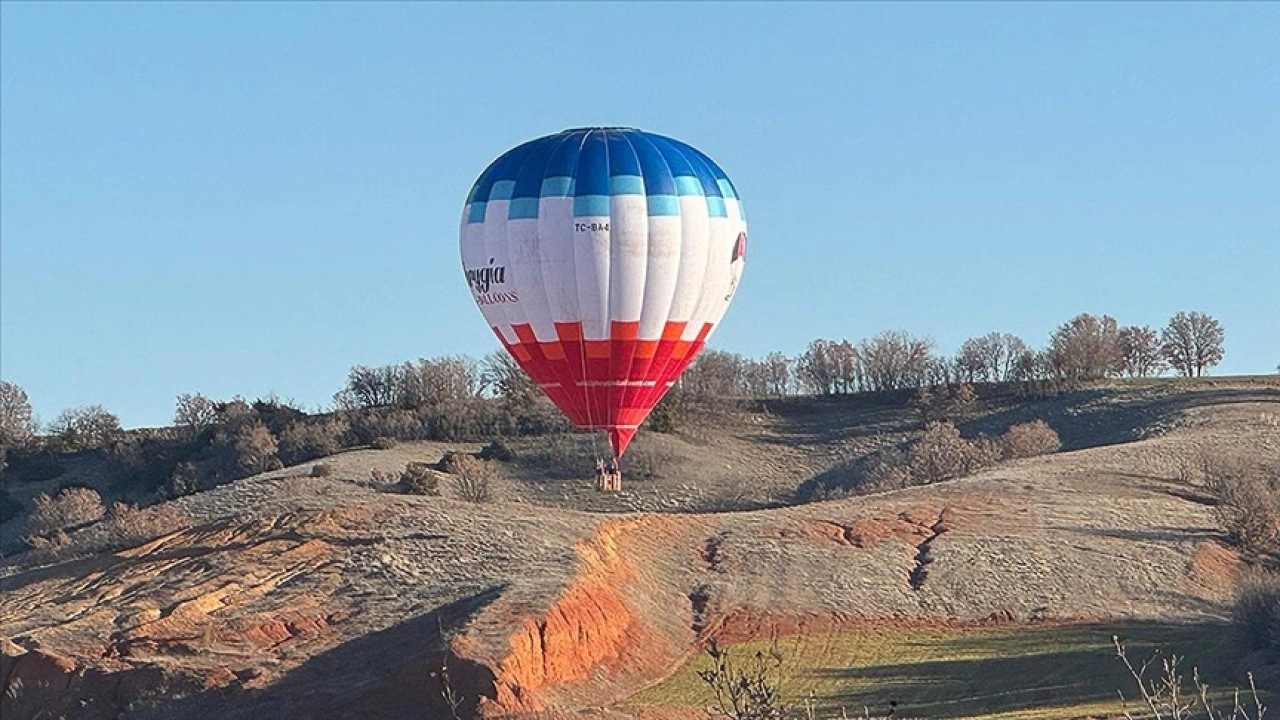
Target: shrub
[(418, 479), (129, 525), (73, 506), (310, 439), (472, 477), (1256, 613), (1248, 501), (1028, 440), (941, 454), (497, 450), (383, 443), (246, 450), (185, 480), (321, 470)]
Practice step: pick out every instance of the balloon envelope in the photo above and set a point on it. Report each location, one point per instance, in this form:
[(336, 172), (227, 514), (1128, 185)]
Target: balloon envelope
[(603, 259)]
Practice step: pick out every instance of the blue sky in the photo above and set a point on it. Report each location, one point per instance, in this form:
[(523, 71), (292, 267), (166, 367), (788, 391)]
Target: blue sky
[(251, 198)]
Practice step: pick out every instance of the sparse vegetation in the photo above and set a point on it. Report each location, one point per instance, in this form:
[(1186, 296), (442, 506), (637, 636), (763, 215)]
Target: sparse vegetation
[(321, 470), (72, 507)]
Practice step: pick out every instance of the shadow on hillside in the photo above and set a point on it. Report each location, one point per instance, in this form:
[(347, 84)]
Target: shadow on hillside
[(1082, 419), (1028, 669), (391, 673)]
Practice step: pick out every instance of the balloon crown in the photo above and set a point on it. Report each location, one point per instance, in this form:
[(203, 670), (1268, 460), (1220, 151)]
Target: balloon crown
[(598, 127)]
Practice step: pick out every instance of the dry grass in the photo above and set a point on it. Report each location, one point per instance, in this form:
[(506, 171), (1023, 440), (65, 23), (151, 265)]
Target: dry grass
[(129, 525)]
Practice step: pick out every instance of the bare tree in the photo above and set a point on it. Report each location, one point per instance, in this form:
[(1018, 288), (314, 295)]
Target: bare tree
[(371, 387), (195, 412), (894, 360), (715, 373), (1192, 341), (87, 427), (990, 358), (17, 423), (777, 369), (816, 368), (434, 380), (503, 376), (1086, 348), (1140, 349)]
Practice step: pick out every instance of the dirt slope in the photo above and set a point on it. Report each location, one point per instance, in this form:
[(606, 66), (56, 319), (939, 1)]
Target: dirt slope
[(306, 597)]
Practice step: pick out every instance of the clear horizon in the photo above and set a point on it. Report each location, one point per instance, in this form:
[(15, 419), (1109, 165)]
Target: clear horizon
[(252, 199)]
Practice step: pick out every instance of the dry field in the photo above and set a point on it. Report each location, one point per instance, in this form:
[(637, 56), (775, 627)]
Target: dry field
[(299, 596)]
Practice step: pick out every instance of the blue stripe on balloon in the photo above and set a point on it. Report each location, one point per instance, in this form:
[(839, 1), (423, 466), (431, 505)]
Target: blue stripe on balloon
[(687, 185), (590, 205), (626, 185), (523, 208), (504, 168), (726, 188), (529, 180), (715, 207), (557, 187), (663, 205), (502, 190), (476, 212)]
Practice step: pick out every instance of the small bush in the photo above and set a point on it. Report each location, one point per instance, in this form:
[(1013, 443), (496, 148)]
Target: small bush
[(73, 506), (419, 479), (129, 525), (1248, 501), (1029, 439), (1256, 613), (383, 443), (497, 450), (321, 470), (472, 477)]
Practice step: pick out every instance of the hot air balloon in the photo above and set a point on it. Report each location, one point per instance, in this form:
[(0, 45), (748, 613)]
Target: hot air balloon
[(603, 258)]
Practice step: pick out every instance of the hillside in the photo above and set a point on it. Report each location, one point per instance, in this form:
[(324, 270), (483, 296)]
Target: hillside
[(297, 596)]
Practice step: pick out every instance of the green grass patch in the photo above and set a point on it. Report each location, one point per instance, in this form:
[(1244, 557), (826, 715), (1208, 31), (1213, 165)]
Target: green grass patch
[(1008, 672)]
